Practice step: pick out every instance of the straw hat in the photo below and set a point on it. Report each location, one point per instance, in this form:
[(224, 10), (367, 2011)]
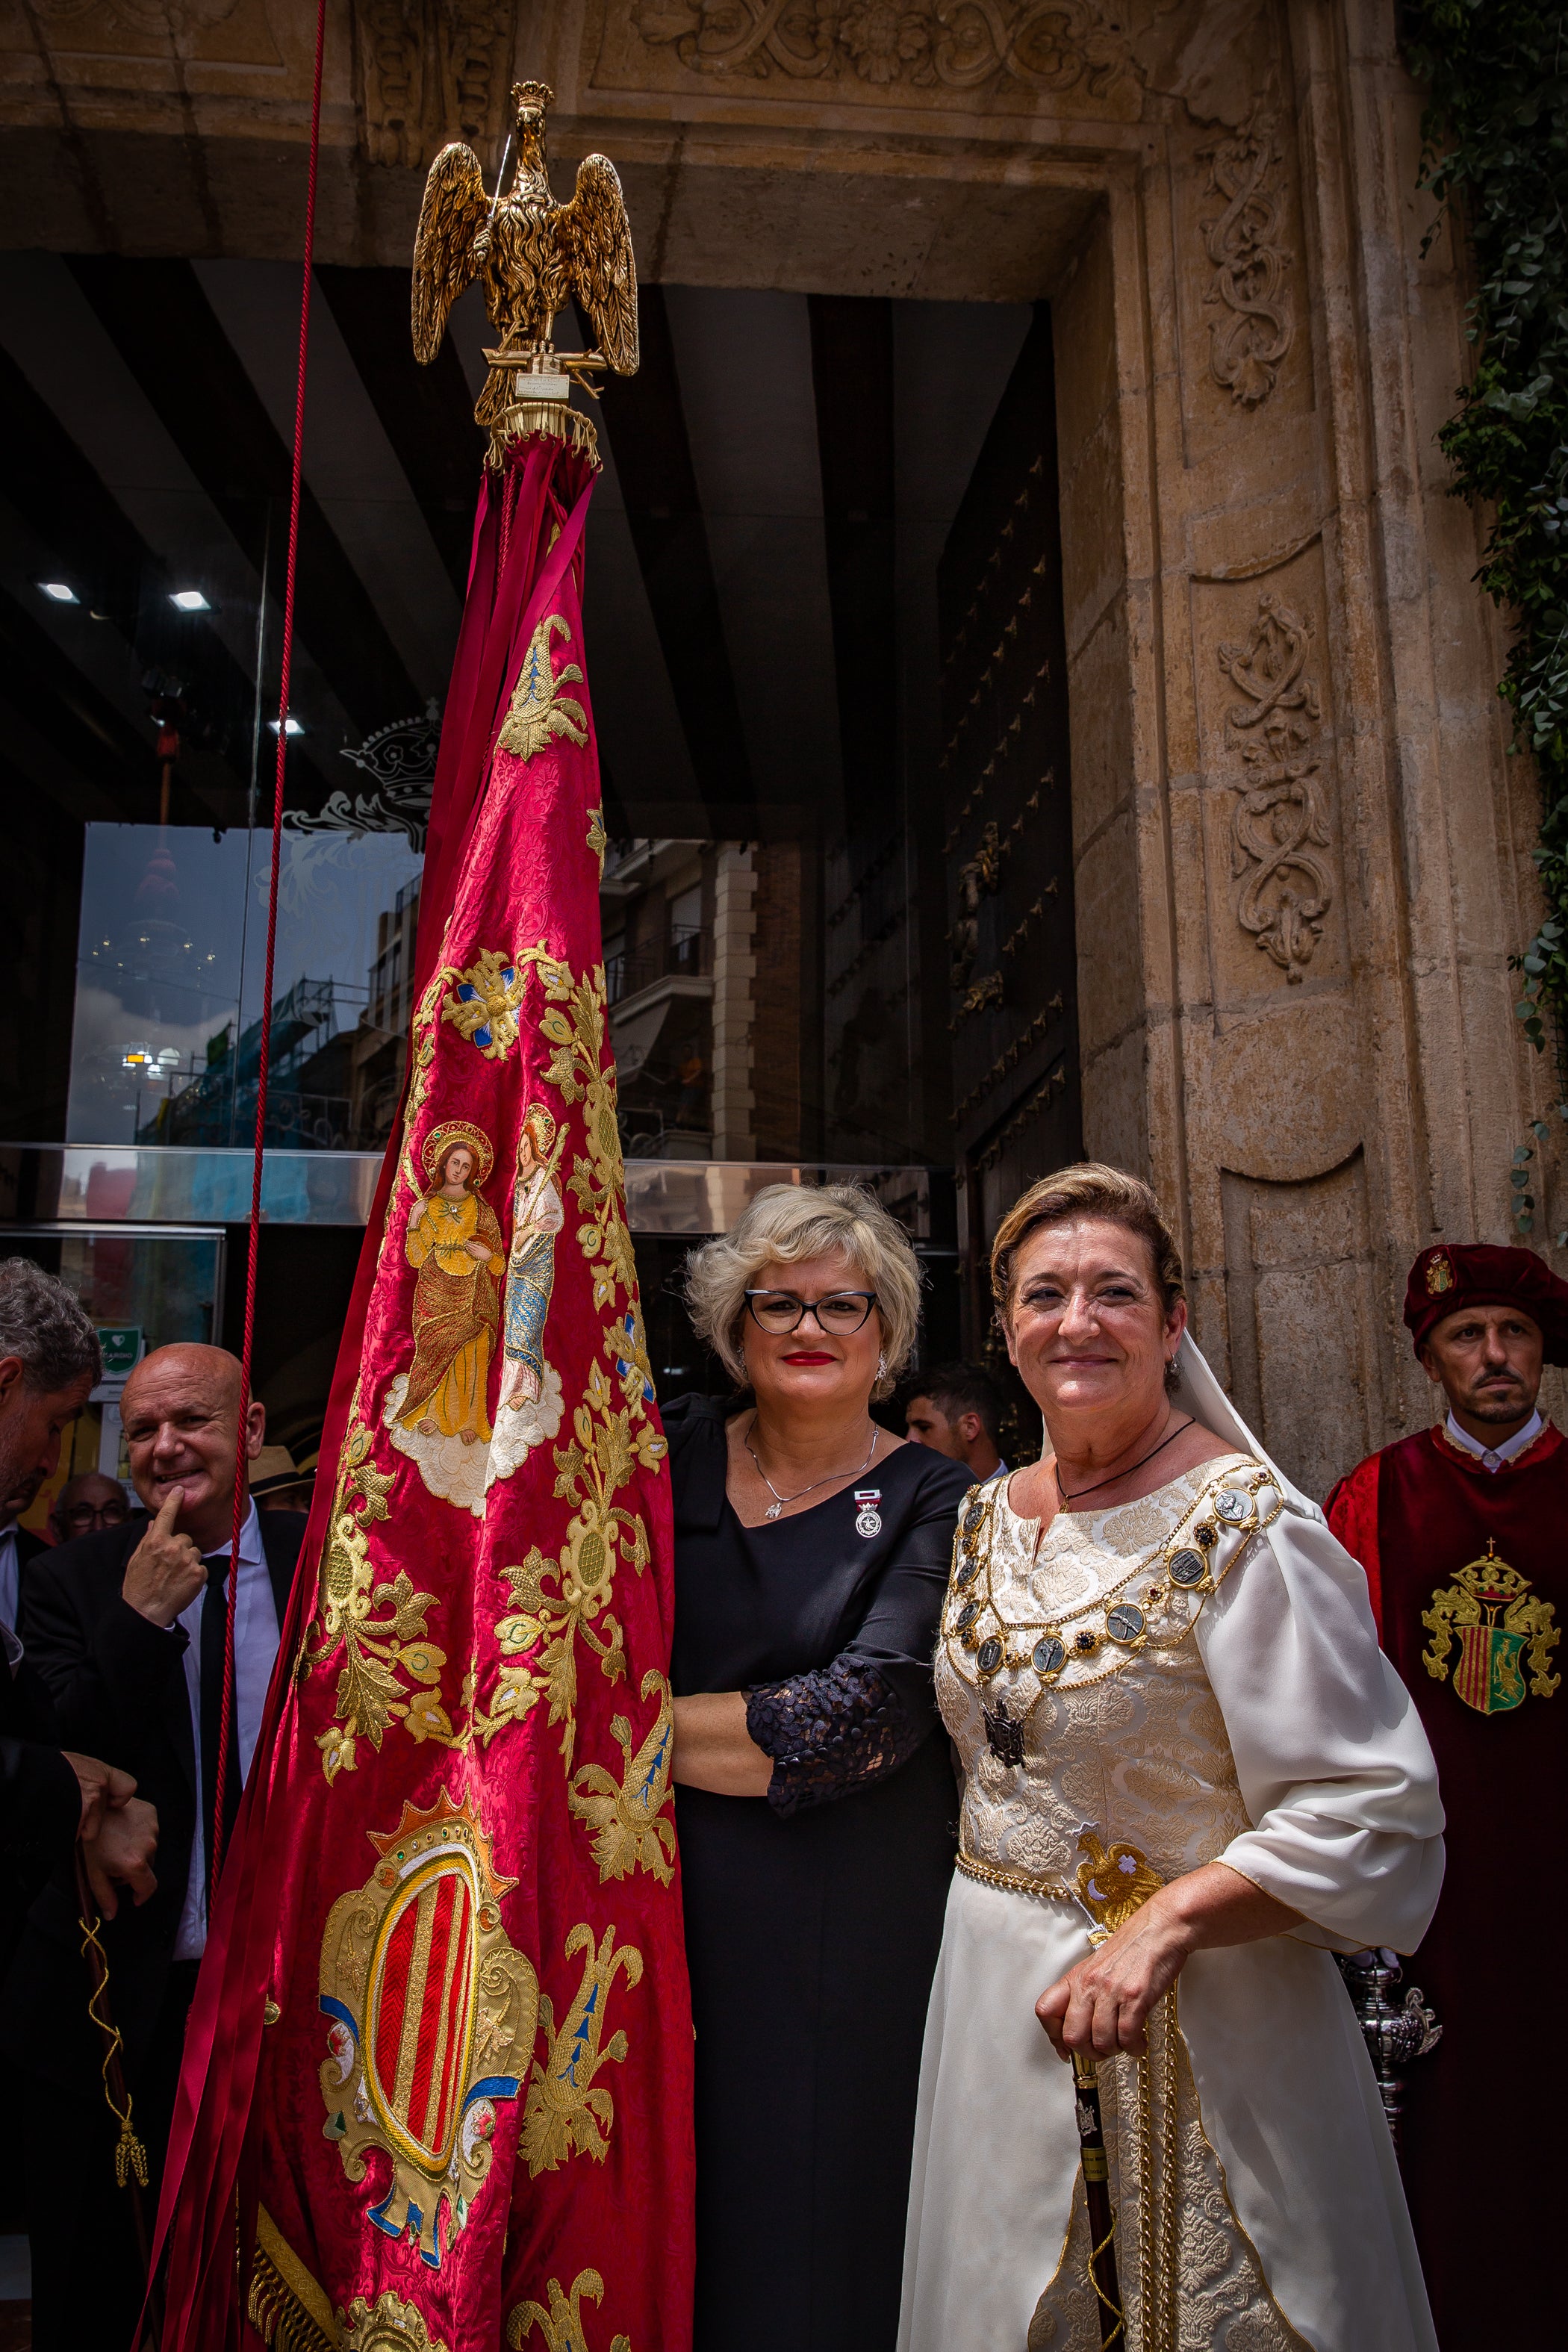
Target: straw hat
[(275, 1470)]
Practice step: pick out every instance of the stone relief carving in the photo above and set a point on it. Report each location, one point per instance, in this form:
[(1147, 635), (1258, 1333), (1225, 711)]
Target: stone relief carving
[(1279, 826), (430, 71), (1247, 344), (1046, 45), (142, 15)]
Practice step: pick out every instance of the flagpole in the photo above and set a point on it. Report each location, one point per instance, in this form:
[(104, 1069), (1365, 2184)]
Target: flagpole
[(1097, 2200)]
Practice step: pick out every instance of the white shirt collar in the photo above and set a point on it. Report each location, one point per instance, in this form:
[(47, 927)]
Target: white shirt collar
[(1492, 1457)]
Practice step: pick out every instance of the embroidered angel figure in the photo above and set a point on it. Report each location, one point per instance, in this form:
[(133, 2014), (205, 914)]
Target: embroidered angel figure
[(538, 1216)]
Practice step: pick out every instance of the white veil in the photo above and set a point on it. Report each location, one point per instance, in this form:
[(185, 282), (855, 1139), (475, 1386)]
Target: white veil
[(1198, 1392)]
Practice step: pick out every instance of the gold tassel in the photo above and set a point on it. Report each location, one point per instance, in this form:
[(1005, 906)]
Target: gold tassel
[(129, 2156)]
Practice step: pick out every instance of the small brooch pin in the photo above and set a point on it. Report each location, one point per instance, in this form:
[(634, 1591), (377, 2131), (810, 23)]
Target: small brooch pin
[(869, 1518)]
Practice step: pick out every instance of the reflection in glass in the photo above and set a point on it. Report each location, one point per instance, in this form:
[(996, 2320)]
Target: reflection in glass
[(167, 1032)]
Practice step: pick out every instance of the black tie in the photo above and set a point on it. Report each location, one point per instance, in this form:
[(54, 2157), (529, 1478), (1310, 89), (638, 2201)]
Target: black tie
[(215, 1635)]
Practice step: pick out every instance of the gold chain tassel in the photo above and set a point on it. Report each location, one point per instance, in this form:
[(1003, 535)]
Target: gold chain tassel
[(129, 2156), (1159, 2183), (1119, 2330)]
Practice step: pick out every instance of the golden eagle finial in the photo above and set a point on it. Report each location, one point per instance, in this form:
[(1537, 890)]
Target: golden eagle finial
[(529, 253)]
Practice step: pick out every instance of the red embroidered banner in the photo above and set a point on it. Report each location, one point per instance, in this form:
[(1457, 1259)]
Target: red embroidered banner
[(441, 2049)]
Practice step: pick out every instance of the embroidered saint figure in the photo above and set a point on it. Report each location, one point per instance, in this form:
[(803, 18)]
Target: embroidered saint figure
[(537, 1217), (455, 1242)]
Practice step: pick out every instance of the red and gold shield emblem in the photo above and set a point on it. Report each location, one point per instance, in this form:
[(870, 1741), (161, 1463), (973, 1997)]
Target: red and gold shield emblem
[(432, 2018), (1505, 1633)]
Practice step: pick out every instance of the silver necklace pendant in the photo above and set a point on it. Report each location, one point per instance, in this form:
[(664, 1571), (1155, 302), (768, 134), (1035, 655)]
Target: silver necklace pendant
[(871, 1494)]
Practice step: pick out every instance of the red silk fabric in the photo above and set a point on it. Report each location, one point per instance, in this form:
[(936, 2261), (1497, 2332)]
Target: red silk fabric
[(439, 2063), (1416, 1515)]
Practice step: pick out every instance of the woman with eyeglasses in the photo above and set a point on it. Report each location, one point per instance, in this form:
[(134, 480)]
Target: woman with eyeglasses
[(815, 1798)]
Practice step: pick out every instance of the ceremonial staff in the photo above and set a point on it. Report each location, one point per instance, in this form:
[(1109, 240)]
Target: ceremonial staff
[(1097, 2199)]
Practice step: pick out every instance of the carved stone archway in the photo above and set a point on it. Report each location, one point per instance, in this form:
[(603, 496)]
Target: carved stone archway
[(1300, 855)]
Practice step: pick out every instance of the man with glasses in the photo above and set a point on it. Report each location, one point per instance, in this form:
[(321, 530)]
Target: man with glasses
[(88, 1506)]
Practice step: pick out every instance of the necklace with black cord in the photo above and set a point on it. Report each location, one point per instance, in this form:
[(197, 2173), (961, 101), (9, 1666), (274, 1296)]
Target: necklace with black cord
[(1169, 1438)]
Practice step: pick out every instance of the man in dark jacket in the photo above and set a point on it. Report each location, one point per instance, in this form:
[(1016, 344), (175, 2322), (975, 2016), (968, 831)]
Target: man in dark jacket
[(48, 1361), (128, 1627), (48, 1800)]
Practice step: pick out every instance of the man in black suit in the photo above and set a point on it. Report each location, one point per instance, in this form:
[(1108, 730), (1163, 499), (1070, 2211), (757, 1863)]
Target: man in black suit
[(48, 1798), (128, 1629)]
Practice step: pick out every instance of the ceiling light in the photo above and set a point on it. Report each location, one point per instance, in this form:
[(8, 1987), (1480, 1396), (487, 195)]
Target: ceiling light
[(58, 592), (292, 727), (190, 600)]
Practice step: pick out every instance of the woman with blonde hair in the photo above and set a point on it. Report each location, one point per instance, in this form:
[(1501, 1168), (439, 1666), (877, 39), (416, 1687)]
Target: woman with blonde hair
[(1189, 1776), (815, 1800)]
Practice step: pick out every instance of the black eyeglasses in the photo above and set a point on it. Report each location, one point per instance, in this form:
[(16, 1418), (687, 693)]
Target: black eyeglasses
[(87, 1519), (780, 1310)]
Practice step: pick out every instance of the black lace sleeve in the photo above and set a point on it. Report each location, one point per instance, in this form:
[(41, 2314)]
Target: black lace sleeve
[(831, 1732)]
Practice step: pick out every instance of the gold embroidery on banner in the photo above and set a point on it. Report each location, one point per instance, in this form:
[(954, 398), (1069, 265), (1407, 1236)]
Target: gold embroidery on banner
[(432, 2017), (483, 1001), (540, 1633), (390, 1670), (286, 2304), (1500, 1630), (574, 1025), (389, 2325), (539, 709), (562, 2325), (627, 1814), (567, 2113), (599, 839)]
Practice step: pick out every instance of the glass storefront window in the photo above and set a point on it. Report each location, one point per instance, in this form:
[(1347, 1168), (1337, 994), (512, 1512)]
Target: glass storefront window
[(145, 1287), (822, 613), (165, 1045)]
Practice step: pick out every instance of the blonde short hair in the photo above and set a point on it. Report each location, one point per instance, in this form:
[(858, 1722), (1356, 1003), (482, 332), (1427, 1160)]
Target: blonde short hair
[(1089, 1189), (785, 1223)]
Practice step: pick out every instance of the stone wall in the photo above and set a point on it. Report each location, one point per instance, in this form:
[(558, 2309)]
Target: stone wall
[(1302, 857)]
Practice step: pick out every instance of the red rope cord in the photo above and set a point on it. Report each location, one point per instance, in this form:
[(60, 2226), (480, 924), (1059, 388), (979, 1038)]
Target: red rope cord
[(241, 1493)]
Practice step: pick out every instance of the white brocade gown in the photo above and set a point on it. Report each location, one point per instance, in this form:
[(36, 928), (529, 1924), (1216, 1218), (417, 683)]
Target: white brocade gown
[(1246, 1716)]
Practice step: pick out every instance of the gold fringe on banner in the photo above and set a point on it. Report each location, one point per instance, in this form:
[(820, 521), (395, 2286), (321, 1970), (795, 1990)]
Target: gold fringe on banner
[(286, 2307)]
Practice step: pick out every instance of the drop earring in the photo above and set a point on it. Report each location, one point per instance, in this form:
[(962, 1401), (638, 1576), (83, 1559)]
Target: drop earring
[(881, 1367)]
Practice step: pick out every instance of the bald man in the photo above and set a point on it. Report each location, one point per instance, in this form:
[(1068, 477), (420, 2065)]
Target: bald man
[(127, 1627)]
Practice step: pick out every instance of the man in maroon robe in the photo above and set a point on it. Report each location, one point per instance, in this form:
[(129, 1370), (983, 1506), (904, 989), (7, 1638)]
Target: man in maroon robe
[(1463, 1532)]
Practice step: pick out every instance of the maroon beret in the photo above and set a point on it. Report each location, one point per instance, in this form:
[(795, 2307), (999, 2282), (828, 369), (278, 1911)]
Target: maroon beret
[(1481, 1274)]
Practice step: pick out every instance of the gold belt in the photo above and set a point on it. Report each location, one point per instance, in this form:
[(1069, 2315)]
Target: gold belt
[(1044, 1890)]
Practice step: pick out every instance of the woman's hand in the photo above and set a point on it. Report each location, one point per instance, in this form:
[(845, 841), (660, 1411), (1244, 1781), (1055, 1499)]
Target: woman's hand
[(715, 1750), (1103, 2005), (479, 1252)]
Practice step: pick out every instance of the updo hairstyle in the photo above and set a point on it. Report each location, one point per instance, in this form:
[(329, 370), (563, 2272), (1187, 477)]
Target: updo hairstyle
[(1089, 1188), (784, 1225)]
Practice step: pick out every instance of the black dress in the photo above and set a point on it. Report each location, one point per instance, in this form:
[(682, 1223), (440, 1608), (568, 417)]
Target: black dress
[(813, 1914)]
